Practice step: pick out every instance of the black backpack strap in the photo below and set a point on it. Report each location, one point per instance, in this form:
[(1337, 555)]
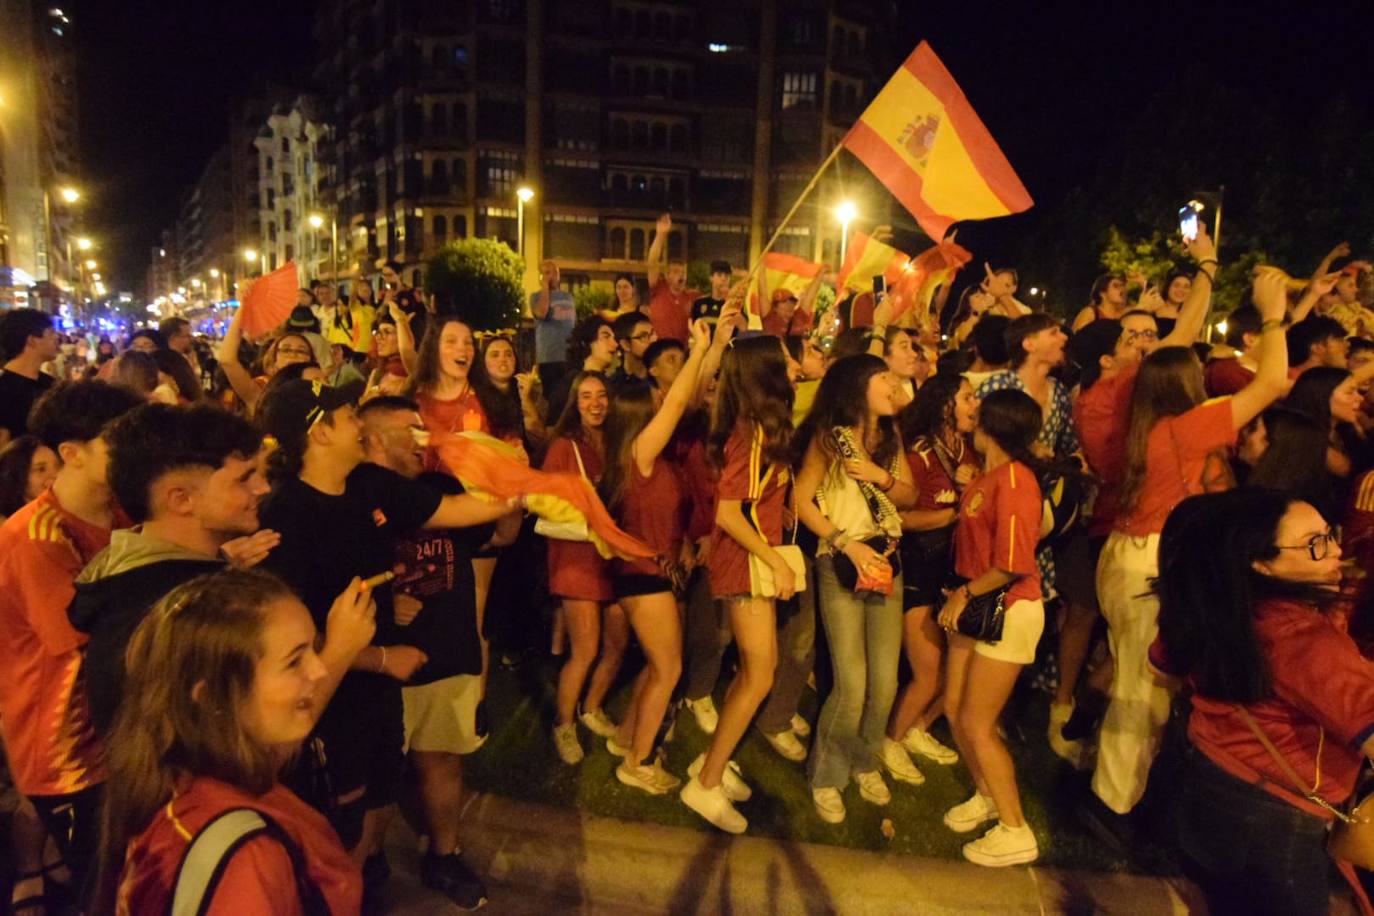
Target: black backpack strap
[(214, 845)]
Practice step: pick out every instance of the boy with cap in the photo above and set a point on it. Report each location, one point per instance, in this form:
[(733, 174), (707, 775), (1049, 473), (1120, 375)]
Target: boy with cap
[(340, 517)]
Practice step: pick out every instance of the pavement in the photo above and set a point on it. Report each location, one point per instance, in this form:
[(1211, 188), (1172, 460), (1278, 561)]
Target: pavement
[(539, 859)]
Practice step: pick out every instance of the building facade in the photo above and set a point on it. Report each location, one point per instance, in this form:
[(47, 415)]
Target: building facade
[(292, 219), (610, 111)]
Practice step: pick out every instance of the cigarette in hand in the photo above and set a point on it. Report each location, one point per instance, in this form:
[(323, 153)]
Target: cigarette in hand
[(379, 579)]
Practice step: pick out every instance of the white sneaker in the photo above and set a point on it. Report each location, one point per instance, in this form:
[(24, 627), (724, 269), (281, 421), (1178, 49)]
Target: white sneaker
[(713, 805), (1074, 752), (801, 726), (565, 740), (924, 743), (1002, 846), (872, 788), (896, 762), (736, 789), (597, 722), (704, 711), (967, 815), (829, 804), (615, 747), (787, 745), (650, 778)]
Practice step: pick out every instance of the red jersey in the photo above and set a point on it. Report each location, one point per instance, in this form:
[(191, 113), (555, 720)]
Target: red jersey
[(52, 745), (1179, 458), (670, 312), (999, 527), (442, 418), (1222, 377), (576, 570), (701, 480), (1357, 535), (1103, 417), (1323, 698), (799, 323), (934, 488), (654, 509), (258, 877), (744, 466)]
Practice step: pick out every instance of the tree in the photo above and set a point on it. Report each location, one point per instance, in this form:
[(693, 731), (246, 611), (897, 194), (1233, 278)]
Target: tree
[(593, 297), (479, 281)]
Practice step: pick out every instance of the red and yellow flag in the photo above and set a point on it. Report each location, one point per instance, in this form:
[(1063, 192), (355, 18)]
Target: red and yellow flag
[(867, 258), (927, 272), (926, 144), (785, 271)]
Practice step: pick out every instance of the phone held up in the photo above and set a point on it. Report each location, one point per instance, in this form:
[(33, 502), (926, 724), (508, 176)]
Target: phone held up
[(1188, 220)]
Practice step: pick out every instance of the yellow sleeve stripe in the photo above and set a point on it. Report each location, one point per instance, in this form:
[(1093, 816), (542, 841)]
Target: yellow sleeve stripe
[(1365, 500), (1011, 544)]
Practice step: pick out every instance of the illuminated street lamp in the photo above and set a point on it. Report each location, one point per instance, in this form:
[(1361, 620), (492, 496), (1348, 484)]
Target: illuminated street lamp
[(69, 195), (84, 243), (316, 221), (91, 264), (845, 212), (252, 256), (95, 276), (523, 196)]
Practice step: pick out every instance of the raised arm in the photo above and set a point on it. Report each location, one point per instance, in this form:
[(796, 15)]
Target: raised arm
[(1319, 286), (654, 261), (1194, 311), (405, 338), (227, 353), (539, 308), (882, 317), (807, 302), (462, 510), (654, 438), (1271, 377), (728, 323)]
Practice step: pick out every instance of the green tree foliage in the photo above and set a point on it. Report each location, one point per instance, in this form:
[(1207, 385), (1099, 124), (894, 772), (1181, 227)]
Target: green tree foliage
[(478, 280), (593, 297), (1155, 256)]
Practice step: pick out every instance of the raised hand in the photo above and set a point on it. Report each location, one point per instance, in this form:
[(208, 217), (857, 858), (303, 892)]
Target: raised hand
[(1201, 247), (701, 334), (247, 552), (1270, 293), (664, 224)]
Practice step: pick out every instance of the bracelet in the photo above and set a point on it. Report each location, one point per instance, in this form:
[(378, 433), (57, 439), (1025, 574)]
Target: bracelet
[(1273, 324), (1211, 278), (891, 482), (381, 665), (1207, 261)]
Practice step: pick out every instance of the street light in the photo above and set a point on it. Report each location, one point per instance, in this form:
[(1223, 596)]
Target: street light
[(523, 196), (845, 212), (252, 256), (83, 243), (316, 221), (70, 195), (91, 264), (95, 276)]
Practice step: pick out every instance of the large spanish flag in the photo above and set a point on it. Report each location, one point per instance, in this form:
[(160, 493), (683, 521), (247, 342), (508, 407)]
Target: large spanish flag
[(924, 142)]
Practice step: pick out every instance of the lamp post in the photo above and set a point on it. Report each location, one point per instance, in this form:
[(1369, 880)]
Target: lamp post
[(523, 196), (845, 212), (252, 256), (215, 276), (316, 221)]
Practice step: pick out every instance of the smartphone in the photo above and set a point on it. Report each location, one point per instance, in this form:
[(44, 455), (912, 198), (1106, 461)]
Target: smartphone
[(879, 287), (1187, 222)]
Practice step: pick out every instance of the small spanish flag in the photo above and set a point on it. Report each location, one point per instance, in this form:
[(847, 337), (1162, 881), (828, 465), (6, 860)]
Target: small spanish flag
[(786, 271), (924, 142), (868, 258)]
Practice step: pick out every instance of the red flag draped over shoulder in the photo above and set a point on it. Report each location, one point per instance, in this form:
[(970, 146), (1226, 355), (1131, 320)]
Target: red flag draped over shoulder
[(922, 139), (490, 469), (270, 301)]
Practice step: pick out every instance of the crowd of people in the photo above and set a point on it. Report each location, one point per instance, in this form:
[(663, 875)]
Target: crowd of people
[(248, 607)]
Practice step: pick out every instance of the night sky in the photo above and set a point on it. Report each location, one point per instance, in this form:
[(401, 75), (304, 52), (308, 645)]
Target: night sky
[(1055, 84)]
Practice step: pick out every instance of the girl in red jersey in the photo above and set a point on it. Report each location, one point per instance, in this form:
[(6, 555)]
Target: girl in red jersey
[(751, 429), (580, 578), (646, 493), (223, 686)]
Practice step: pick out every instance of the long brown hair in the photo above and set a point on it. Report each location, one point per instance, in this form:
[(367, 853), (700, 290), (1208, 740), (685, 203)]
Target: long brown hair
[(569, 422), (631, 410), (1169, 384), (753, 389), (203, 638), (504, 417)]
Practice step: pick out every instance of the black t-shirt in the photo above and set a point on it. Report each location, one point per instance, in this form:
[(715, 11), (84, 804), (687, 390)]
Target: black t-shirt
[(435, 566), (327, 540), (17, 394), (707, 308)]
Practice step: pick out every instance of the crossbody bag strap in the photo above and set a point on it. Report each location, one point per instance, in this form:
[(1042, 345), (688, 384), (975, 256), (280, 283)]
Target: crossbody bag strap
[(1293, 778), (581, 469), (213, 847), (938, 448)]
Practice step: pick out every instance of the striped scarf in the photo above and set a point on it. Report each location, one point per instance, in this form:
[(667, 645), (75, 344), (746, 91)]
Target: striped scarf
[(884, 512)]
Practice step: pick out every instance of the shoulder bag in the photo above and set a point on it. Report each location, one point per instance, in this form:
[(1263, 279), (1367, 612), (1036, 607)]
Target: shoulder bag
[(569, 530), (761, 583)]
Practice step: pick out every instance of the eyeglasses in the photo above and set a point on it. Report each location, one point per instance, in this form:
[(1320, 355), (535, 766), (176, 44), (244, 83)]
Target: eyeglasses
[(644, 335), (1132, 336), (1318, 547), (384, 332)]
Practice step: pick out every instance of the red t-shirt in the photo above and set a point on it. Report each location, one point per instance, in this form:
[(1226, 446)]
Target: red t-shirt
[(701, 480), (1222, 377), (654, 509), (1177, 459), (445, 417), (52, 746), (259, 877), (1357, 535), (799, 323), (998, 528), (1103, 417), (1321, 682), (934, 489), (576, 570), (728, 566), (670, 312)]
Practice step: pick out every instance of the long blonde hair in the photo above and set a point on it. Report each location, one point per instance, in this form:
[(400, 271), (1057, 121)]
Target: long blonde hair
[(190, 668)]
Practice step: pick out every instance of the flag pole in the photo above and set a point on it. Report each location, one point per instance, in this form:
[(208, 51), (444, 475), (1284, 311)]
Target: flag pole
[(777, 233)]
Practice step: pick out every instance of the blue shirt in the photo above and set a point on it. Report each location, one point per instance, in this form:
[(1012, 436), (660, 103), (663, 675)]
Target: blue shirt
[(551, 332)]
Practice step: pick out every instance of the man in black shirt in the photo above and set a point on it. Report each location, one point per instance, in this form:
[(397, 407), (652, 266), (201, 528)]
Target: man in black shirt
[(709, 307), (436, 610), (189, 478), (635, 333), (27, 341), (340, 517)]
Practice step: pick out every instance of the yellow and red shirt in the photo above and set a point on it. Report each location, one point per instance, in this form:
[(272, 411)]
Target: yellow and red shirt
[(52, 745), (999, 527)]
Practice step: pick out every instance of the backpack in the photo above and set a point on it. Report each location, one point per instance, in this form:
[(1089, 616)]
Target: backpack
[(209, 853)]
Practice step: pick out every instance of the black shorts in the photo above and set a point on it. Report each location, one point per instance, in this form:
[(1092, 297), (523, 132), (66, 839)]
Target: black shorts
[(927, 564), (631, 585), (363, 729)]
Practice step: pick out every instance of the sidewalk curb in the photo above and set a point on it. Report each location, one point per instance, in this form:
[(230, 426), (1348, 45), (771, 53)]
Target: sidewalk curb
[(600, 864)]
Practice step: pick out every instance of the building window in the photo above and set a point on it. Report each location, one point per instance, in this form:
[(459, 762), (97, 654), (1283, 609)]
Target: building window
[(460, 174), (615, 243), (438, 120), (677, 138), (659, 136), (286, 144), (799, 90), (460, 56), (439, 177), (500, 172), (290, 251), (286, 220), (440, 227), (269, 163), (271, 198), (439, 57), (271, 232), (636, 244)]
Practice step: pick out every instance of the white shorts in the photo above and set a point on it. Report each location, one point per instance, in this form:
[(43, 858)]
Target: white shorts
[(1021, 629), (442, 716)]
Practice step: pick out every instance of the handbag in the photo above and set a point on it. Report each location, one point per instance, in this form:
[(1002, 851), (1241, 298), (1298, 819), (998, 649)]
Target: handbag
[(984, 615), (1352, 835), (848, 575), (761, 579), (566, 531)]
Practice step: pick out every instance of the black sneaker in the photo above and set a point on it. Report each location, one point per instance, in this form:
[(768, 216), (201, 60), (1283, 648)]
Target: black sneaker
[(453, 878), (1116, 831), (376, 873)]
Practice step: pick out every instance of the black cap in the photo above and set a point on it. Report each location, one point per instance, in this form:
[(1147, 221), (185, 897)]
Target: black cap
[(720, 267), (1087, 347), (293, 408), (301, 317)]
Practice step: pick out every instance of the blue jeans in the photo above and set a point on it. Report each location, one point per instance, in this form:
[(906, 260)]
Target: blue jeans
[(865, 636)]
